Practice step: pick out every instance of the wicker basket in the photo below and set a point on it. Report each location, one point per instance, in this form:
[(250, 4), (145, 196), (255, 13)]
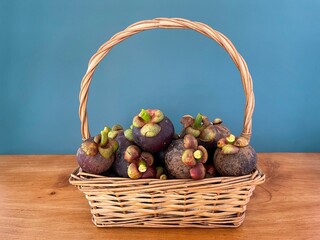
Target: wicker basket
[(208, 203)]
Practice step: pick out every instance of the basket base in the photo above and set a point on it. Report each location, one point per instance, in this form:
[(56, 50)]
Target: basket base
[(169, 222)]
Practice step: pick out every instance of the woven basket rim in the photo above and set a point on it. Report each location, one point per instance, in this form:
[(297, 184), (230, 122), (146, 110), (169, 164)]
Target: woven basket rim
[(78, 177)]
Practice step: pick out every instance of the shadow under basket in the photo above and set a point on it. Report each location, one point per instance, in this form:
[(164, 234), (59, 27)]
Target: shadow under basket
[(155, 203), (173, 203)]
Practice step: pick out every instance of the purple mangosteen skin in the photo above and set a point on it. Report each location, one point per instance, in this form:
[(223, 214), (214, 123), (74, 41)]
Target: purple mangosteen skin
[(158, 142), (150, 173), (120, 165), (173, 162), (93, 164), (238, 164)]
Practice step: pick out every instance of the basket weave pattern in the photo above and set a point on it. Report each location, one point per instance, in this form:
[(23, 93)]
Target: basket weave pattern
[(208, 203)]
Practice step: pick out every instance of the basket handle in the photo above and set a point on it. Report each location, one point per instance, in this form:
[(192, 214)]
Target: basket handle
[(168, 23)]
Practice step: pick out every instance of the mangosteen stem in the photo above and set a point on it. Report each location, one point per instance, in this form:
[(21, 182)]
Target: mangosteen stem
[(104, 137), (163, 177), (197, 154), (197, 121), (142, 166), (159, 171), (145, 115)]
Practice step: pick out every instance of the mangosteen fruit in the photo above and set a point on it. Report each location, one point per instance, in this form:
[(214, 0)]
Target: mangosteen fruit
[(120, 165), (206, 132), (96, 155), (185, 158), (132, 162), (234, 157), (152, 130)]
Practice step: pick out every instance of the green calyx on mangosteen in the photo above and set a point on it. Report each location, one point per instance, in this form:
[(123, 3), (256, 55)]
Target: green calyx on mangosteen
[(113, 132), (152, 130), (234, 156), (139, 163), (97, 154), (198, 172), (117, 129), (161, 173), (184, 158), (206, 132), (199, 127)]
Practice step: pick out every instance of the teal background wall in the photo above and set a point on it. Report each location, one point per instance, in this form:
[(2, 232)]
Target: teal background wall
[(46, 45)]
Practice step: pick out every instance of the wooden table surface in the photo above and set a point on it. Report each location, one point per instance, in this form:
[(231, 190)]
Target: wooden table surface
[(37, 202)]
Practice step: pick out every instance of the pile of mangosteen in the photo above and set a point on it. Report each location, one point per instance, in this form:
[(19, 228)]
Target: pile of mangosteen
[(150, 148)]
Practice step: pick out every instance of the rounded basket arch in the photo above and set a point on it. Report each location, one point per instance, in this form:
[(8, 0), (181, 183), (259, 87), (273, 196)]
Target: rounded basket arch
[(169, 23)]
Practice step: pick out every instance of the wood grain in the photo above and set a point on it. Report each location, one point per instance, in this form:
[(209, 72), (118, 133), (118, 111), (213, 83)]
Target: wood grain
[(37, 202)]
